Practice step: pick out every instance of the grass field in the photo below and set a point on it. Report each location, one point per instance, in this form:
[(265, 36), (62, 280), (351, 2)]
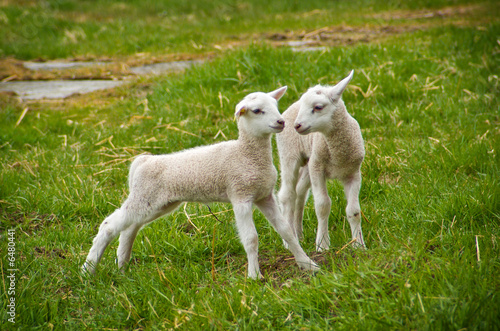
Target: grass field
[(425, 93)]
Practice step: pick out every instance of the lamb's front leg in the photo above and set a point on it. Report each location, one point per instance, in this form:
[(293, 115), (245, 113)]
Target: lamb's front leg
[(303, 186), (248, 236), (322, 205), (271, 211), (287, 194), (287, 199), (353, 210)]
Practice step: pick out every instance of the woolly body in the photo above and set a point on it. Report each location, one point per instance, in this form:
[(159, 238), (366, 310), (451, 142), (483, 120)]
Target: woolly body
[(324, 142), (235, 169), (239, 171)]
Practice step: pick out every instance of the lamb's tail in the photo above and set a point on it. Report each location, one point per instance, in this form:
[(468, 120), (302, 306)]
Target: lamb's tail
[(133, 167)]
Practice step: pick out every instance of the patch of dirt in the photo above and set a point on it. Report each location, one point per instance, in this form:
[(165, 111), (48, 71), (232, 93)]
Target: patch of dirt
[(344, 35), (340, 35), (55, 252), (281, 269), (12, 69), (31, 222)]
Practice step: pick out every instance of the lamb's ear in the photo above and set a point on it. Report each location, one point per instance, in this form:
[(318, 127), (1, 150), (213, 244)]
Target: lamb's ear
[(336, 92), (277, 94), (240, 110)]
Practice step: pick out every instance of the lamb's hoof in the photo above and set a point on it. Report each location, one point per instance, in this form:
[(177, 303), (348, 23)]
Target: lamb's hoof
[(321, 248), (359, 244), (322, 243), (314, 267), (309, 266), (87, 269), (256, 277)]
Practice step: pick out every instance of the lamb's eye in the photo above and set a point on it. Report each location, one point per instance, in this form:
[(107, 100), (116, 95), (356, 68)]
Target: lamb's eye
[(257, 111), (318, 108)]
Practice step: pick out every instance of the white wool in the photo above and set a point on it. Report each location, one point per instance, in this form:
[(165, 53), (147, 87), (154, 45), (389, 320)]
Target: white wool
[(324, 142), (239, 171)]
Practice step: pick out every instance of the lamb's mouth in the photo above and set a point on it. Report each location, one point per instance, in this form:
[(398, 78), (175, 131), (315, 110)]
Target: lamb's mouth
[(277, 128), (303, 131)]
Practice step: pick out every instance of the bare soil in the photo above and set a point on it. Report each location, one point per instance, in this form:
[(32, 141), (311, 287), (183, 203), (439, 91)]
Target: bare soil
[(384, 25)]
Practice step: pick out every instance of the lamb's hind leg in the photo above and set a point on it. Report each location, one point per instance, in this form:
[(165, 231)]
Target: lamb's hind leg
[(353, 210), (109, 229), (128, 236)]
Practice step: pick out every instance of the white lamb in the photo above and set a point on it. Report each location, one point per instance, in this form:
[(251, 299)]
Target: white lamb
[(323, 143), (239, 171)]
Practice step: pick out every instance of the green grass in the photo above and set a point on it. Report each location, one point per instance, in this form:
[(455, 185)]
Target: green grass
[(88, 29), (431, 191)]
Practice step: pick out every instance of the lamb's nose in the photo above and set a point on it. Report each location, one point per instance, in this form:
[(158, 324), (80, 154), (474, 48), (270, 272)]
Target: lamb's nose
[(281, 122), (298, 126)]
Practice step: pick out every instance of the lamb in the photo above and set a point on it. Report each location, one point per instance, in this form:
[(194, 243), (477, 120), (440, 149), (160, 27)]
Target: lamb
[(325, 142), (239, 171)]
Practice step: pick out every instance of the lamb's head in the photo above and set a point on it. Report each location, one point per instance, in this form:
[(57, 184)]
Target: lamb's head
[(258, 114), (319, 105)]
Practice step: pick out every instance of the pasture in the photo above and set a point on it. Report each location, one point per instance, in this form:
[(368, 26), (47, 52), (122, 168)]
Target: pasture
[(425, 92)]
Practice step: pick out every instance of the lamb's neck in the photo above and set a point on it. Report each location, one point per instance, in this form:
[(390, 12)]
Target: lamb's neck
[(259, 146), (339, 131)]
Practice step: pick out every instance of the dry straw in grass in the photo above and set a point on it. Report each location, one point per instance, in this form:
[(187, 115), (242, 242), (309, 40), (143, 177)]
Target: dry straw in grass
[(25, 110)]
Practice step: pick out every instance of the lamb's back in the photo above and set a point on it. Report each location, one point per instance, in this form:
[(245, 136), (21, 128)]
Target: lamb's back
[(202, 174)]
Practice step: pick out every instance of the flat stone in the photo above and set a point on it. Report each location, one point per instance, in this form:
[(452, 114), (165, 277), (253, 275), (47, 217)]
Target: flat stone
[(161, 68), (299, 43), (59, 89), (309, 49), (56, 89), (59, 65)]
